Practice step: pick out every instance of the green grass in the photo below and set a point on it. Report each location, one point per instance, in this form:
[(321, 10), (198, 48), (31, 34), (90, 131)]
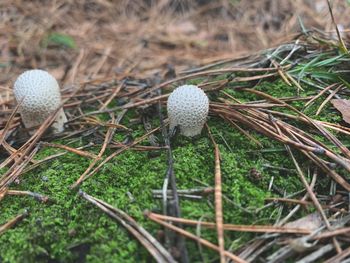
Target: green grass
[(59, 39)]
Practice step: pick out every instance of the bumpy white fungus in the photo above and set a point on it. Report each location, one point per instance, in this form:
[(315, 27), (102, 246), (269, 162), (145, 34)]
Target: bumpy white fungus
[(41, 97), (188, 108)]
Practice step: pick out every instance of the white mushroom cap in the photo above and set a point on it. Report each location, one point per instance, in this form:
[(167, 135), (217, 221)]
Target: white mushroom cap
[(188, 108), (41, 97)]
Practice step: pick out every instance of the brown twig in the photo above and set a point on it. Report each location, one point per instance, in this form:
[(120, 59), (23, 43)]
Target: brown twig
[(70, 149), (86, 175), (12, 222), (218, 199), (194, 237), (330, 96), (39, 197), (148, 241), (313, 197), (232, 227)]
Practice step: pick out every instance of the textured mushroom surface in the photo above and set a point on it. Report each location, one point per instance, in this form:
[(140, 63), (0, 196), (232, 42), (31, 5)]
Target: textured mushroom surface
[(39, 95), (188, 108)]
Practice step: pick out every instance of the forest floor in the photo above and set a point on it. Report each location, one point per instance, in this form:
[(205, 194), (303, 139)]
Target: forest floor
[(275, 137)]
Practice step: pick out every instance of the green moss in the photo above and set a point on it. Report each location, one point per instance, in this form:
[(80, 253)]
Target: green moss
[(68, 227)]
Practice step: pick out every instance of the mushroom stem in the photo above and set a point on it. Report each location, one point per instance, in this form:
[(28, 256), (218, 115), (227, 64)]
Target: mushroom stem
[(191, 131), (61, 119)]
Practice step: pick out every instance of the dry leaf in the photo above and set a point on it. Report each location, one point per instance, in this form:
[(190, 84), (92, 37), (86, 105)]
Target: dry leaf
[(311, 222), (344, 107)]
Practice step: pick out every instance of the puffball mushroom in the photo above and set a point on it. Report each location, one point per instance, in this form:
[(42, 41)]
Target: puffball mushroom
[(188, 108), (39, 95)]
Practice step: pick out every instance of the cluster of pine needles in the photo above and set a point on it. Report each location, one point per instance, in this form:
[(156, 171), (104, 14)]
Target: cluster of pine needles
[(312, 59)]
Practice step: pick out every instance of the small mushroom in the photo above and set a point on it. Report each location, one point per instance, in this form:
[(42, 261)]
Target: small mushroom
[(39, 95), (188, 108)]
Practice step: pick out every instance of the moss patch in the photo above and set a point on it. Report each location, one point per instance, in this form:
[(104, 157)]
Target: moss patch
[(68, 229)]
